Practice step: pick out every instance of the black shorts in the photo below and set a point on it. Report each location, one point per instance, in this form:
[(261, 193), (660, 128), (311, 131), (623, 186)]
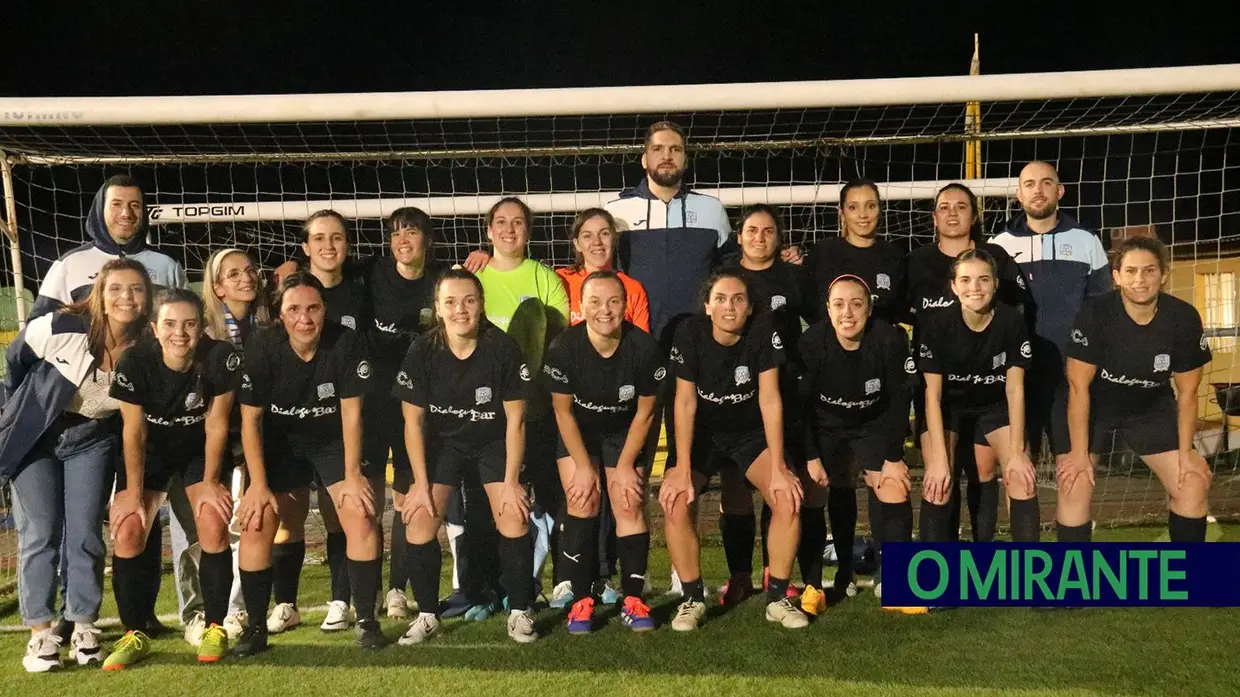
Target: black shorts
[(1046, 409), (384, 431), (846, 452), (295, 470), (605, 448), (159, 472), (710, 456), (1156, 431), (976, 422), (448, 464)]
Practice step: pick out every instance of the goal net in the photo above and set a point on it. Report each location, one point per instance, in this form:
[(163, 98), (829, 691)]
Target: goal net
[(1139, 151)]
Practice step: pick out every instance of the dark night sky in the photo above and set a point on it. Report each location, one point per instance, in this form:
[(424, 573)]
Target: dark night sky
[(125, 48)]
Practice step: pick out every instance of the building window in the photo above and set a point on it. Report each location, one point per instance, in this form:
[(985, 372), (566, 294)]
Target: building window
[(1220, 309)]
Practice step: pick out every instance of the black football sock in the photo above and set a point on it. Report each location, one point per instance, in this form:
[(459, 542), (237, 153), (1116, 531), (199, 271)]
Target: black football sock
[(985, 511), (364, 578), (935, 522), (1186, 529), (338, 565), (634, 554), (765, 529), (215, 575), (422, 567), (255, 592), (809, 548), (129, 591), (898, 521), (694, 590), (578, 553), (518, 565), (842, 510), (1074, 533), (1026, 520), (151, 573), (737, 533), (397, 576), (776, 589), (876, 510), (286, 562)]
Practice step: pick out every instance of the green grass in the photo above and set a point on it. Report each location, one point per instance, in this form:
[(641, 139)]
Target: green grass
[(854, 649)]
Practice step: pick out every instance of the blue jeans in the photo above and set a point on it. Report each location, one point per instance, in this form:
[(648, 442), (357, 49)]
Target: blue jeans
[(70, 470)]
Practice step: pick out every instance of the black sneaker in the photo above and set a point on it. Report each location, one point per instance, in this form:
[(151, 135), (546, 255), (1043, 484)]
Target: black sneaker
[(370, 635), (253, 640), (153, 628)]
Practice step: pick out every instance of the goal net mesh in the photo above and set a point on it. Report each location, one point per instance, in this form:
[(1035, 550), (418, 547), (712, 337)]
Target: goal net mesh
[(1167, 163)]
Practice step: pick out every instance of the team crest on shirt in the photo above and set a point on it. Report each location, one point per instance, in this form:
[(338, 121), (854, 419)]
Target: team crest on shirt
[(233, 362), (327, 390), (124, 381), (776, 341), (349, 322), (882, 281), (193, 400), (1205, 345), (778, 301), (402, 379), (910, 366), (482, 395), (246, 382), (363, 370), (742, 374), (872, 386), (627, 392), (525, 373), (675, 356), (691, 217), (1162, 362), (924, 351), (999, 360), (1079, 338), (426, 315), (1065, 251), (660, 373), (1026, 350)]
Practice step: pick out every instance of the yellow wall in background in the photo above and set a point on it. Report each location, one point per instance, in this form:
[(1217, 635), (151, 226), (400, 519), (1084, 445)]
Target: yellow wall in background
[(1186, 284)]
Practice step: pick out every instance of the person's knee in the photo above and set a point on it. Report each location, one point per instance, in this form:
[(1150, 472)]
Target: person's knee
[(129, 537)]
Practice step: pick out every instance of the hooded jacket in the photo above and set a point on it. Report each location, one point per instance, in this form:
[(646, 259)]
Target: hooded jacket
[(1063, 267), (670, 248), (46, 363), (72, 275)]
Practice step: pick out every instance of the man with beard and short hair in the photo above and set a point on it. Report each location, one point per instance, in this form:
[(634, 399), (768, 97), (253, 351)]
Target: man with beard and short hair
[(1064, 265)]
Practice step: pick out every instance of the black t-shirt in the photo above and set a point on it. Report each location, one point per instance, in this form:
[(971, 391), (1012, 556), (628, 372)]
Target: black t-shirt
[(930, 280), (726, 377), (400, 310), (866, 387), (348, 302), (604, 390), (1135, 363), (881, 265), (787, 290), (301, 399), (176, 404), (973, 364), (464, 399)]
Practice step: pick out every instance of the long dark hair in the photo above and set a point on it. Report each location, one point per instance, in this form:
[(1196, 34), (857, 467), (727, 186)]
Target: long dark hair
[(91, 308), (975, 230), (439, 333)]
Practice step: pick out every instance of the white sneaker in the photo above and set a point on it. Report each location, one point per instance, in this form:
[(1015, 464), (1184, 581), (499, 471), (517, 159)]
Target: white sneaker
[(397, 604), (787, 614), (235, 624), (42, 652), (688, 615), (421, 629), (337, 617), (562, 595), (521, 627), (194, 629), (85, 646), (283, 617)]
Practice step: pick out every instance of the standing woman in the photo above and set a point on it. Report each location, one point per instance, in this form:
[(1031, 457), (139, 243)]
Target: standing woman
[(463, 391), (594, 243), (860, 251), (787, 291), (301, 417), (974, 359), (176, 396), (729, 414), (235, 305), (1127, 348), (604, 376), (58, 437), (857, 375)]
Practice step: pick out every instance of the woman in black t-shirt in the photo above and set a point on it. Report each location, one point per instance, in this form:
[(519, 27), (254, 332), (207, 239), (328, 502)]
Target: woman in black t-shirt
[(857, 376), (1126, 349), (973, 359), (301, 418), (861, 251), (604, 375), (463, 386), (729, 414), (176, 394)]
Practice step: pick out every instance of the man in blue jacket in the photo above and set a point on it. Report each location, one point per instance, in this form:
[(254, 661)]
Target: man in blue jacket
[(1064, 265), (117, 226)]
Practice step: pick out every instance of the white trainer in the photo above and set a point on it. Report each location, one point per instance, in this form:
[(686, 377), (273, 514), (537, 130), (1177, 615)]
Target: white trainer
[(194, 629), (84, 646), (42, 652), (337, 617), (235, 624), (688, 616), (397, 604), (423, 628), (786, 614), (521, 627), (562, 595), (283, 617)]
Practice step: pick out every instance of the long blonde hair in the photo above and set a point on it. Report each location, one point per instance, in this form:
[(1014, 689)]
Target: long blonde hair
[(92, 309), (214, 305)]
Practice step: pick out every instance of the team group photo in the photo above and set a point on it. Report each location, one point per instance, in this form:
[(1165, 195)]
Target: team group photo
[(530, 391)]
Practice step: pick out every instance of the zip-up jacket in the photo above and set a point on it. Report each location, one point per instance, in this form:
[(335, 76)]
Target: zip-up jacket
[(47, 362), (670, 248), (72, 275), (1063, 267)]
